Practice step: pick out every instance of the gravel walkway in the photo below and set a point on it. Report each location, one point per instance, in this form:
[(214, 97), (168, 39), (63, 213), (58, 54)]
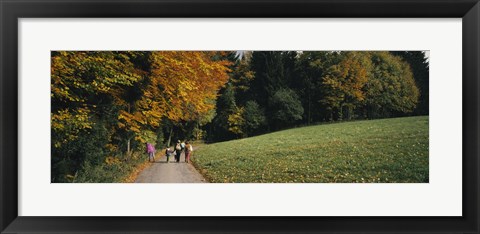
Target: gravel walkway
[(172, 172)]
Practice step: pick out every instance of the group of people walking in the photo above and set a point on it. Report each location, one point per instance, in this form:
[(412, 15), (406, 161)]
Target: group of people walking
[(180, 147)]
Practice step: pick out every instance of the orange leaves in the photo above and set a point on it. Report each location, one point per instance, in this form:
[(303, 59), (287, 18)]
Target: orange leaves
[(131, 122), (144, 87), (180, 87), (188, 80)]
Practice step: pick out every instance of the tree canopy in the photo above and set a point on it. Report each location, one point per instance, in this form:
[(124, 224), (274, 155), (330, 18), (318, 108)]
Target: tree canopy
[(121, 100)]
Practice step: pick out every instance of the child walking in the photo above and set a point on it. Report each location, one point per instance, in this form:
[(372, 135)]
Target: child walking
[(188, 151), (168, 153)]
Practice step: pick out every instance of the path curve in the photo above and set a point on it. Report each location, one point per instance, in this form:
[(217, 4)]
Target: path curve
[(172, 172)]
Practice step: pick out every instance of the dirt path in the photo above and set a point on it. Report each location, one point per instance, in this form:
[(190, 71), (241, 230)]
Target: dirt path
[(172, 172)]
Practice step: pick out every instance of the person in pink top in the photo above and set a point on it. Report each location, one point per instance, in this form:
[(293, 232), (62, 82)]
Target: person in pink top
[(151, 152)]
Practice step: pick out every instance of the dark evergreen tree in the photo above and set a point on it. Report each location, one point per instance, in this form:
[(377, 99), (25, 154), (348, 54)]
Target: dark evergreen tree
[(269, 75), (286, 108), (225, 106), (310, 68), (254, 117)]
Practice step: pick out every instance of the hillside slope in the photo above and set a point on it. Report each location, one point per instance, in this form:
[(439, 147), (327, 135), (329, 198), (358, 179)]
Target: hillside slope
[(382, 151)]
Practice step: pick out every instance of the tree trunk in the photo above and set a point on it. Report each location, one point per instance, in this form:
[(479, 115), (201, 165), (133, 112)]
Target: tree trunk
[(170, 137), (309, 108), (129, 150), (198, 131)]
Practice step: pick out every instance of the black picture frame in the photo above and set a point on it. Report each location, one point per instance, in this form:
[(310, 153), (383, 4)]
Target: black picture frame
[(11, 11)]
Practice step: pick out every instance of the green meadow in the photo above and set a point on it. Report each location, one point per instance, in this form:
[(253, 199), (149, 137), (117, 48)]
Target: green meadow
[(370, 151)]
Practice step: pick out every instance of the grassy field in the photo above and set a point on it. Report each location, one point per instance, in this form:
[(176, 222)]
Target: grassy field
[(379, 151)]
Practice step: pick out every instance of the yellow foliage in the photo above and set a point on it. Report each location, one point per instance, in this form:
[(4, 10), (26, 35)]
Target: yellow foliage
[(236, 121), (112, 160), (189, 79), (178, 85), (69, 123)]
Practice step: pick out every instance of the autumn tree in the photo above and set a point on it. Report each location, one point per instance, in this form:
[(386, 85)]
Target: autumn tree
[(311, 66), (85, 86), (109, 102), (343, 83), (182, 86), (391, 89), (419, 65)]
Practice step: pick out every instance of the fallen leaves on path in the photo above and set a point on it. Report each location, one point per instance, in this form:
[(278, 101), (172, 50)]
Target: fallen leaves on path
[(133, 175)]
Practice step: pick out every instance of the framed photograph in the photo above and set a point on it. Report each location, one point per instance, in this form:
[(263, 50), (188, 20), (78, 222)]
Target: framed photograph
[(239, 116)]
